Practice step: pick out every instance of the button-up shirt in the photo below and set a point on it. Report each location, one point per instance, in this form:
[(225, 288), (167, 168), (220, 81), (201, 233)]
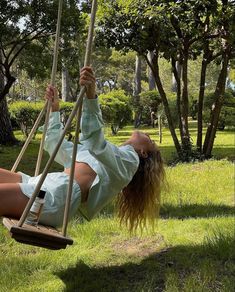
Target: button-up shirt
[(114, 166)]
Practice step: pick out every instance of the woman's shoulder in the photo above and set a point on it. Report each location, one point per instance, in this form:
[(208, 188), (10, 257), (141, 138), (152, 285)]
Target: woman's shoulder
[(129, 152)]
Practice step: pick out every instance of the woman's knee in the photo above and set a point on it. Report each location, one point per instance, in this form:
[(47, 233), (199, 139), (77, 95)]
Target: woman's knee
[(7, 176), (12, 200)]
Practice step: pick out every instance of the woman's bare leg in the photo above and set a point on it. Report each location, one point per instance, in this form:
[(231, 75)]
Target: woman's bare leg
[(7, 176), (12, 200)]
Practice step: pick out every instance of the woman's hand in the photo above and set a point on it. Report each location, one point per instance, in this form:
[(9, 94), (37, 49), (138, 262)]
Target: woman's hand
[(52, 95), (87, 79)]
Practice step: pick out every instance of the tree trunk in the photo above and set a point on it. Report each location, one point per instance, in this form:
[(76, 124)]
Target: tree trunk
[(177, 76), (160, 127), (137, 90), (65, 84), (6, 131), (200, 103), (155, 68), (216, 107), (186, 145), (6, 79), (151, 79), (174, 85)]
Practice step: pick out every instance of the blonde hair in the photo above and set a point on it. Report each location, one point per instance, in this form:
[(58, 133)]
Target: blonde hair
[(139, 201)]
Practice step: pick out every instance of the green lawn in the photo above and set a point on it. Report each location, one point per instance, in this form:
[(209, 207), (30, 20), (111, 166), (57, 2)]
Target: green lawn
[(191, 250)]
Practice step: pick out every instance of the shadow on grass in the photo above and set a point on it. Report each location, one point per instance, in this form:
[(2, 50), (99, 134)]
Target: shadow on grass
[(184, 211), (227, 152), (196, 211), (155, 272)]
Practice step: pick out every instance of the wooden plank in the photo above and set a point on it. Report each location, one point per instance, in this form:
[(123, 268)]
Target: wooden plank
[(40, 243), (38, 234), (43, 236), (39, 228)]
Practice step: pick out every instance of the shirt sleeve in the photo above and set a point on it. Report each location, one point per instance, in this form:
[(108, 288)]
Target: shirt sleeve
[(53, 135), (92, 135), (120, 162)]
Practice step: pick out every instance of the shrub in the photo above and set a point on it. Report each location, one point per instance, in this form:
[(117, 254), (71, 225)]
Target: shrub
[(149, 102), (65, 110), (227, 115), (116, 109), (24, 114)]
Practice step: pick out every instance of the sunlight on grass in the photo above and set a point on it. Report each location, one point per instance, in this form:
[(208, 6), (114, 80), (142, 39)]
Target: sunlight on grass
[(189, 184), (192, 248)]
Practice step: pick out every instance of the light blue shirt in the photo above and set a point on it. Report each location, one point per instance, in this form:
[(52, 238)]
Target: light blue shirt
[(114, 166)]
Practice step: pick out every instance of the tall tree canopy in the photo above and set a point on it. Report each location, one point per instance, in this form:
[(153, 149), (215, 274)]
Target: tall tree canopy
[(178, 31), (25, 30)]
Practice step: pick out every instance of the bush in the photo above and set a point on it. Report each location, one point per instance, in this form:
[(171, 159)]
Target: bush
[(116, 109), (149, 102), (227, 115), (65, 111), (24, 114)]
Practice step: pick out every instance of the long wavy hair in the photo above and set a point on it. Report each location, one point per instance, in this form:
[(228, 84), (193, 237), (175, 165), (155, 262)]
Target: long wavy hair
[(139, 201)]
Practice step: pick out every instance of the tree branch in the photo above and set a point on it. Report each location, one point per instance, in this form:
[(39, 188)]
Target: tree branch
[(23, 46), (213, 57), (175, 22), (150, 64), (24, 40), (25, 37), (1, 47), (2, 65)]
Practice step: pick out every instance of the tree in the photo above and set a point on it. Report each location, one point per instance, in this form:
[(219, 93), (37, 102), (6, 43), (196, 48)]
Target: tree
[(6, 134), (177, 31), (26, 27), (114, 69), (136, 32), (226, 25)]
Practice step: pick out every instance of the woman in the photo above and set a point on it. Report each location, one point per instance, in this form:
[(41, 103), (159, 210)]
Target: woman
[(134, 171)]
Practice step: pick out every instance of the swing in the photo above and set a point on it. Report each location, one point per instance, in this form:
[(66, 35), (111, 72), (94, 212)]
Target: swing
[(46, 236), (41, 236)]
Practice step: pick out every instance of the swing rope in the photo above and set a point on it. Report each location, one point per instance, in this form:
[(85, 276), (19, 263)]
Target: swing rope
[(47, 106), (87, 62), (53, 76), (76, 110)]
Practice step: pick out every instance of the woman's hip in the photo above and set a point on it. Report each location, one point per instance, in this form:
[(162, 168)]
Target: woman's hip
[(56, 187)]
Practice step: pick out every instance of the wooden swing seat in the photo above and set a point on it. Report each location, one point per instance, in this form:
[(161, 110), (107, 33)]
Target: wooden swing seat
[(42, 236)]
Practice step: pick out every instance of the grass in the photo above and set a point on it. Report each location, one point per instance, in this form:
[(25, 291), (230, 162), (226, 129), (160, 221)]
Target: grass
[(191, 250)]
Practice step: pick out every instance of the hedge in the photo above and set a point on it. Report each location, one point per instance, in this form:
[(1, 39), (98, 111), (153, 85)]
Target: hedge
[(24, 114)]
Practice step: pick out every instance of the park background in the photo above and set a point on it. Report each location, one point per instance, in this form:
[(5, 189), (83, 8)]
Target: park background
[(165, 67)]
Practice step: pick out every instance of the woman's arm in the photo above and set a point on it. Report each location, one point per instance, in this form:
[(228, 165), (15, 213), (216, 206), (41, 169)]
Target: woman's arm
[(55, 129), (87, 79), (52, 96), (121, 163), (91, 122)]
